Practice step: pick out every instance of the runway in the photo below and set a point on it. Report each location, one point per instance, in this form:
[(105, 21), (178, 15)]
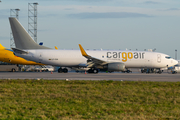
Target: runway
[(100, 76)]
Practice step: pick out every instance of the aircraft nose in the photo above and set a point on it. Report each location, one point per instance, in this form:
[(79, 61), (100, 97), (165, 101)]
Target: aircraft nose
[(176, 62), (172, 62)]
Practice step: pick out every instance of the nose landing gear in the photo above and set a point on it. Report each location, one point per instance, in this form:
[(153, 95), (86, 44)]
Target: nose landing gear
[(93, 70)]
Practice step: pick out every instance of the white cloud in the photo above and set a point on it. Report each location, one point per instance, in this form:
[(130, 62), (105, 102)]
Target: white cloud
[(151, 2), (75, 9), (107, 15), (173, 9)]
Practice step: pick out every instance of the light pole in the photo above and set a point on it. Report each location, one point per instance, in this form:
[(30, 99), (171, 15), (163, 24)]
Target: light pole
[(13, 13), (17, 14), (176, 54), (32, 20)]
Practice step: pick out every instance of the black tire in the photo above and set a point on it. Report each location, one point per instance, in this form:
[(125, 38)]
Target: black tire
[(60, 70), (13, 70), (174, 72), (90, 71), (95, 71), (160, 72), (65, 70)]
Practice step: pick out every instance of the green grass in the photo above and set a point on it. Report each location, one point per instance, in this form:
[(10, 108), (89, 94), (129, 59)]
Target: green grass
[(55, 99)]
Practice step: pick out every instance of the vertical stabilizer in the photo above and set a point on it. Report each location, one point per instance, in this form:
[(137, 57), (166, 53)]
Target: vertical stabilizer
[(21, 38), (2, 47)]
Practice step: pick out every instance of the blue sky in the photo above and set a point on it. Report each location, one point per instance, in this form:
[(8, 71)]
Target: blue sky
[(96, 24)]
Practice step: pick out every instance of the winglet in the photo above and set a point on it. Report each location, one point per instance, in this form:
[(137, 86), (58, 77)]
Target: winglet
[(1, 47), (56, 48), (83, 52)]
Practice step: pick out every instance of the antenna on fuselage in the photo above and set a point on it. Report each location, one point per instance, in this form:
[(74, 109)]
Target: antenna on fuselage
[(154, 50)]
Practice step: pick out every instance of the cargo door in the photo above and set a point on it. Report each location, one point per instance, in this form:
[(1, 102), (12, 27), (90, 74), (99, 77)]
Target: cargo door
[(40, 57), (158, 58)]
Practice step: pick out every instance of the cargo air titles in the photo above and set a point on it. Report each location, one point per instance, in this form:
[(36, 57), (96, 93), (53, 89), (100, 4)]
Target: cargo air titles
[(125, 55)]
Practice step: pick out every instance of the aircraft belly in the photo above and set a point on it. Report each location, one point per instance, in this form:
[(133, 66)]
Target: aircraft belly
[(68, 62), (134, 64)]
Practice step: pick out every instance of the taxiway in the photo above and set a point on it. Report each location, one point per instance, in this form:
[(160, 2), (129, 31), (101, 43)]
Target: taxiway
[(100, 76)]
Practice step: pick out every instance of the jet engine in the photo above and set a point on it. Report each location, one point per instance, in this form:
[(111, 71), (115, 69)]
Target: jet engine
[(115, 66)]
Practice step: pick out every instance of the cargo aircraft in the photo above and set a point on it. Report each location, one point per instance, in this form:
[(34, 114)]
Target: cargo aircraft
[(114, 60), (7, 55)]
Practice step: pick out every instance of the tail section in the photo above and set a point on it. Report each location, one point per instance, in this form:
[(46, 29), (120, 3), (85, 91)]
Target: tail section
[(2, 47), (21, 38)]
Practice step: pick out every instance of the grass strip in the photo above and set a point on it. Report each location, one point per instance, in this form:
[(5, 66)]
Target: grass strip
[(59, 99)]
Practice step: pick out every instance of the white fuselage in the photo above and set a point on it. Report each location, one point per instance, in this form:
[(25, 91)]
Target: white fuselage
[(74, 58)]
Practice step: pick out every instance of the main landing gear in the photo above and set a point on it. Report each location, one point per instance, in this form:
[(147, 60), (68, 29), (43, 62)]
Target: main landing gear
[(93, 70), (64, 70), (128, 71), (151, 70)]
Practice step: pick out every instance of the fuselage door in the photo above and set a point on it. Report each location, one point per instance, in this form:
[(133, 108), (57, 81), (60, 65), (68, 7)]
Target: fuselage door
[(158, 58), (40, 57)]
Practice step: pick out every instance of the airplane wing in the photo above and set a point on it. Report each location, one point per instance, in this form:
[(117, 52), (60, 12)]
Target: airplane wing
[(19, 51), (95, 61)]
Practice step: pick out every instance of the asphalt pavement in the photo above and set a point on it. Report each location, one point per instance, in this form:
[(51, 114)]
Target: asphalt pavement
[(100, 76)]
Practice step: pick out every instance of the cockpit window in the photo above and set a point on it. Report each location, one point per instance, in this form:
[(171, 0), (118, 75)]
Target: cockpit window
[(167, 57)]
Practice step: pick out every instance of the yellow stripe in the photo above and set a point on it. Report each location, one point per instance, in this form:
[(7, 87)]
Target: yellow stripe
[(82, 50)]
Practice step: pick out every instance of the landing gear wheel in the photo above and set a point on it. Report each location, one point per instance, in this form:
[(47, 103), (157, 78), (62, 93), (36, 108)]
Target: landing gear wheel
[(13, 70), (95, 71), (89, 71), (65, 70), (60, 70)]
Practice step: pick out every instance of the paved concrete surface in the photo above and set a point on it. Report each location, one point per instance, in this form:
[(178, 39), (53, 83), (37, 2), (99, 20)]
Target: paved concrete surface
[(100, 76)]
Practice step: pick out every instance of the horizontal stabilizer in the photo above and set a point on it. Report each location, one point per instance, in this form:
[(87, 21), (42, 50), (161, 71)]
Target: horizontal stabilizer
[(19, 51)]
